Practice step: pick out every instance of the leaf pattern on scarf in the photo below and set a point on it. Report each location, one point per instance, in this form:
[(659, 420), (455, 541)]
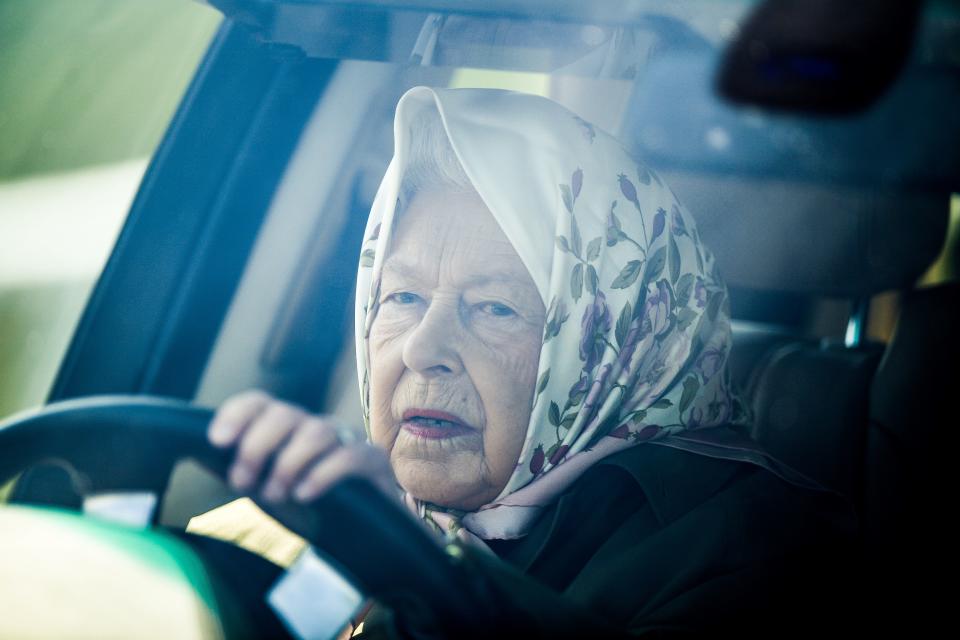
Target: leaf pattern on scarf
[(662, 296), (583, 274)]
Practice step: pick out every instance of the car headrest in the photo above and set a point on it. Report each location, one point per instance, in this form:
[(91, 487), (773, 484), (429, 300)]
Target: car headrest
[(775, 235), (804, 204)]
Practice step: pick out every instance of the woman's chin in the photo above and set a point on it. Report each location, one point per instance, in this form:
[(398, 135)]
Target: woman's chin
[(454, 484)]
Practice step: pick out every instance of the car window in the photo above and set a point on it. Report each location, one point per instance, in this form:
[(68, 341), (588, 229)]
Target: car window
[(88, 90)]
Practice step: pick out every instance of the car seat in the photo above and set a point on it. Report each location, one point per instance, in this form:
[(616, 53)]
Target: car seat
[(864, 419), (909, 551), (810, 208)]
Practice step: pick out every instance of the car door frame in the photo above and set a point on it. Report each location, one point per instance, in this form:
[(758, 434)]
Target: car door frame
[(153, 316)]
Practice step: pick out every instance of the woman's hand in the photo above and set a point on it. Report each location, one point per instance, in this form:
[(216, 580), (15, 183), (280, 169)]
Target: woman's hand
[(309, 453)]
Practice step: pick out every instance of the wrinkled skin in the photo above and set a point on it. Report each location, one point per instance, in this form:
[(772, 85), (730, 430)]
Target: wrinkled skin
[(458, 330)]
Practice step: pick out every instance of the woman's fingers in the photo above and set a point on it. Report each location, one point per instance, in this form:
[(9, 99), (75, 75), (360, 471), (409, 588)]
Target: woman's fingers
[(261, 440), (315, 437), (308, 453), (360, 459), (235, 415)]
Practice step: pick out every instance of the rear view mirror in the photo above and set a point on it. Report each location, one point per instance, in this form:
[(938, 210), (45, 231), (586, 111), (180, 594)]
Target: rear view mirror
[(819, 56)]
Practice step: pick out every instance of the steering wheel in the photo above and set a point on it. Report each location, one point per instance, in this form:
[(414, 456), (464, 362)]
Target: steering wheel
[(131, 443)]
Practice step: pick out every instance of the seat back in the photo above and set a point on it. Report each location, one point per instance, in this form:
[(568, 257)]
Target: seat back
[(914, 424), (810, 403)]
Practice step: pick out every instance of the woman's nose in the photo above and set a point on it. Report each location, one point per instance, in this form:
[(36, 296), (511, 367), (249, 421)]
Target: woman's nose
[(433, 347)]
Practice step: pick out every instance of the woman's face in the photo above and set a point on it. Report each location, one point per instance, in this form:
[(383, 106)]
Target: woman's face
[(454, 349)]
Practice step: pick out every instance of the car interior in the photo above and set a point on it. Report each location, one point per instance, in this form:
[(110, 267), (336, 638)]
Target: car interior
[(816, 147)]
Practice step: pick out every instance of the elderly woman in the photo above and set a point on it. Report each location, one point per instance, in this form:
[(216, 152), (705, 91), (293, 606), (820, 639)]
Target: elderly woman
[(542, 342)]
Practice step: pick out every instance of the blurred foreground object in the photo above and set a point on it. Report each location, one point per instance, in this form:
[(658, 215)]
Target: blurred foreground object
[(69, 577)]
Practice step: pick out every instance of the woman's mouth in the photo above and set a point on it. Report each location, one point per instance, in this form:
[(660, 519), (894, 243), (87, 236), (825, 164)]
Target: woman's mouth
[(433, 424)]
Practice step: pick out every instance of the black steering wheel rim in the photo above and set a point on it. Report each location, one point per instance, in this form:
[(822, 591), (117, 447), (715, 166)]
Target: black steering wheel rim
[(131, 443), (112, 443)]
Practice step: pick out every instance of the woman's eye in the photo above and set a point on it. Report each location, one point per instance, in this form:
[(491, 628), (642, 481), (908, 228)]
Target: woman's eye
[(403, 297), (497, 310)]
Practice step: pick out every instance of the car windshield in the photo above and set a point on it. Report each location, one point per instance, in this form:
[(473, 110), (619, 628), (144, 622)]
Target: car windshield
[(184, 201), (647, 72)]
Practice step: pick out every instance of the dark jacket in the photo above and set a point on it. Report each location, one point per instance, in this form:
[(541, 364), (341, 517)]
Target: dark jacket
[(655, 541)]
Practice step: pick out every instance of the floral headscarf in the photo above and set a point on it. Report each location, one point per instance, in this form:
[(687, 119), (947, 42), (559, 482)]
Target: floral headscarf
[(637, 330)]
